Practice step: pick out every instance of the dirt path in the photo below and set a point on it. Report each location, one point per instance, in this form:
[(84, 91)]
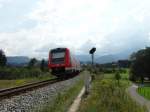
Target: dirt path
[(141, 100)]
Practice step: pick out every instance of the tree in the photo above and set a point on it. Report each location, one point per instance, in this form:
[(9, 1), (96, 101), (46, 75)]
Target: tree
[(42, 66), (117, 76), (32, 62), (140, 63), (3, 59), (124, 63)]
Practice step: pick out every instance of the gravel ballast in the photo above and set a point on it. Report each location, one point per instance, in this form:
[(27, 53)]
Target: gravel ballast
[(31, 100)]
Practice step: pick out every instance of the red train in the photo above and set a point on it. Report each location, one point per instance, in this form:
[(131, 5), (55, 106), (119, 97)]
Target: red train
[(62, 62)]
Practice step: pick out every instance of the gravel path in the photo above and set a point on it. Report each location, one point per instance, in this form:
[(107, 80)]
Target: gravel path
[(35, 99), (141, 100)]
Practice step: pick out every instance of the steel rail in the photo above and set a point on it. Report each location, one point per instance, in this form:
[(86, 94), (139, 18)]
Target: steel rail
[(28, 87)]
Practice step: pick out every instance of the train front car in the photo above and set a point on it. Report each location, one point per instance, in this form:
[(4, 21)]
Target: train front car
[(61, 62)]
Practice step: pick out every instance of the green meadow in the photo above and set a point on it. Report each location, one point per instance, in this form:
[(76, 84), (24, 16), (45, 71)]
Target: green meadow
[(144, 91), (108, 96)]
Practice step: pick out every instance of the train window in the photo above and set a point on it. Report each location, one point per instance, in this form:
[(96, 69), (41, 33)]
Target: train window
[(58, 55)]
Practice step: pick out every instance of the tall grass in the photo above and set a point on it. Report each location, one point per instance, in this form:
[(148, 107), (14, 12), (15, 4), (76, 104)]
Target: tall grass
[(107, 96)]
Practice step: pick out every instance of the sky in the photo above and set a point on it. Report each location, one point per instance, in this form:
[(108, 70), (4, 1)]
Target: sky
[(33, 27)]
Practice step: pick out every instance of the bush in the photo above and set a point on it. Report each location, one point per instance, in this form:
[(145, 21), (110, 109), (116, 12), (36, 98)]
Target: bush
[(108, 70), (19, 73), (132, 77)]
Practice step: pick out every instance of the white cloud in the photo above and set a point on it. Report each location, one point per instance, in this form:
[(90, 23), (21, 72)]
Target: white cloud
[(79, 25), (2, 2)]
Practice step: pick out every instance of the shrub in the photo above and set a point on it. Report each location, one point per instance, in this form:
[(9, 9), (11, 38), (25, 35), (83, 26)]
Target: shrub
[(19, 73)]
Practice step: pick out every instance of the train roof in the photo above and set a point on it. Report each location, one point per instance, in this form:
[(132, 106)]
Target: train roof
[(58, 49)]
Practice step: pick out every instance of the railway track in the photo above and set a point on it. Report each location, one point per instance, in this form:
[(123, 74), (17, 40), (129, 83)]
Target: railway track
[(5, 93)]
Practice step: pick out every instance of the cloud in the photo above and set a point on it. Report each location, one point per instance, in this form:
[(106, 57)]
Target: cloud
[(13, 15), (34, 27)]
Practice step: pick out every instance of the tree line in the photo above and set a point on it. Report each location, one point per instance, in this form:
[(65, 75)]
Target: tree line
[(3, 59), (138, 64), (33, 69)]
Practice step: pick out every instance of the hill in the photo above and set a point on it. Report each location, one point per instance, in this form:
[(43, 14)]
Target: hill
[(103, 59), (17, 60)]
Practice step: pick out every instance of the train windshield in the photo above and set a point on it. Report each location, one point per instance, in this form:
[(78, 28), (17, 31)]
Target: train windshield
[(58, 55)]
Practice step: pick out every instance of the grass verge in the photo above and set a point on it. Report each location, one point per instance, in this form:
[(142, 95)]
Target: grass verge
[(107, 96), (18, 82), (63, 100), (144, 91)]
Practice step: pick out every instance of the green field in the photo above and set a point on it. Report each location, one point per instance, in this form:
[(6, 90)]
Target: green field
[(18, 82), (107, 96), (144, 91)]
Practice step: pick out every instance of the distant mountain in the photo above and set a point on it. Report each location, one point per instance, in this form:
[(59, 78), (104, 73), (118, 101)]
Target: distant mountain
[(17, 60), (103, 59), (112, 58), (23, 60), (83, 58), (106, 59)]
